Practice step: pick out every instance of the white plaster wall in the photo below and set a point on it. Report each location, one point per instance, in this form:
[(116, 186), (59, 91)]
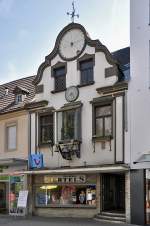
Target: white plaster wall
[(86, 94), (139, 87)]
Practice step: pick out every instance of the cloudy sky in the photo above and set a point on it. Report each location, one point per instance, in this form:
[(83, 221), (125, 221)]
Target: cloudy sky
[(29, 29)]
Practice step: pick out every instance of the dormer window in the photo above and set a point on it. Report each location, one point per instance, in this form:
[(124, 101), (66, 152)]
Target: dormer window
[(19, 98), (20, 94)]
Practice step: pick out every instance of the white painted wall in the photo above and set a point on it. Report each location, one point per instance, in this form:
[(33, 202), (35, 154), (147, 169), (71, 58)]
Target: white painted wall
[(86, 94), (138, 139)]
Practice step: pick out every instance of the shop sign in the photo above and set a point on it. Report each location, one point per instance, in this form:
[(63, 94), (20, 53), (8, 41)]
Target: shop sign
[(36, 161), (65, 179)]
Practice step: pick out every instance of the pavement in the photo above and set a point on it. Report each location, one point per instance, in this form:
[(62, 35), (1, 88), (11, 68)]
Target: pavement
[(41, 221)]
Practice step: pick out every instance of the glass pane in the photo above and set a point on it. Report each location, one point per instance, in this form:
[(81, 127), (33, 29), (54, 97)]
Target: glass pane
[(102, 111), (62, 195), (107, 126), (47, 134), (59, 71), (69, 125), (86, 64), (11, 137), (60, 83), (86, 76), (46, 119), (99, 127)]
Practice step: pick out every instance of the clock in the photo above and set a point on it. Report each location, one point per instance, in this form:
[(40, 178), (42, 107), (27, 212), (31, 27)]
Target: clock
[(71, 93), (72, 44)]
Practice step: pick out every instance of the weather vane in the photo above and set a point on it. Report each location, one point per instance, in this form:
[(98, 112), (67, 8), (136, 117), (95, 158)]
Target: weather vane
[(72, 14)]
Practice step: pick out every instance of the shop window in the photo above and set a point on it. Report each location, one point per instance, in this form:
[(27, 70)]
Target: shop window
[(103, 121), (86, 72), (45, 128), (60, 79), (65, 194), (11, 137), (69, 125)]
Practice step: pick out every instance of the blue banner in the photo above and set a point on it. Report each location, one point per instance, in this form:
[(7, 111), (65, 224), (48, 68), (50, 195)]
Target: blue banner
[(36, 161)]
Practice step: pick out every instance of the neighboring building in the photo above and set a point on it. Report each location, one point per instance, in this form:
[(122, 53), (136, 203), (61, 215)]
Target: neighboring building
[(139, 111), (78, 122), (14, 139)]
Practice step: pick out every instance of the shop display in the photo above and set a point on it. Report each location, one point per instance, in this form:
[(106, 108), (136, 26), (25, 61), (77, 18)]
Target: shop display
[(65, 194)]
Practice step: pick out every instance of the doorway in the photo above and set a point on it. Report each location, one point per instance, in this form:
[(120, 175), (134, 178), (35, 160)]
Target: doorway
[(2, 197), (113, 192)]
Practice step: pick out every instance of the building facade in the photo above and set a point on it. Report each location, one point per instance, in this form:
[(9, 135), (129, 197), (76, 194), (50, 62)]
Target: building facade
[(78, 128), (14, 139), (139, 108)]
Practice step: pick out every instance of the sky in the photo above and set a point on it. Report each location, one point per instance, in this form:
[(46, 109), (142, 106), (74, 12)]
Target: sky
[(28, 30)]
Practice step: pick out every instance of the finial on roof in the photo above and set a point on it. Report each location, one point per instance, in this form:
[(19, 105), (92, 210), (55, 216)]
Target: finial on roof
[(72, 14)]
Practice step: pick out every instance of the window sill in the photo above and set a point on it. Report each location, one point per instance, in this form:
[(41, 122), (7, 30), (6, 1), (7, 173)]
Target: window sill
[(57, 91), (45, 144), (88, 84), (98, 138)]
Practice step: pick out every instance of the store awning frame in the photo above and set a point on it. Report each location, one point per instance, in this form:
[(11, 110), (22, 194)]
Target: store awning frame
[(85, 170)]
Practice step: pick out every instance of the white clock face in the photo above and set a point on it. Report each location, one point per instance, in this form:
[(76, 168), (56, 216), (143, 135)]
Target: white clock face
[(72, 44), (72, 93)]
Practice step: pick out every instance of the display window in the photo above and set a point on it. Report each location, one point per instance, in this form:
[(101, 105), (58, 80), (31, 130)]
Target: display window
[(65, 193), (16, 185)]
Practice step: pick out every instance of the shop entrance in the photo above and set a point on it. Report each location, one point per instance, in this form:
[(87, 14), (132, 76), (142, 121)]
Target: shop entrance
[(2, 197), (113, 192)]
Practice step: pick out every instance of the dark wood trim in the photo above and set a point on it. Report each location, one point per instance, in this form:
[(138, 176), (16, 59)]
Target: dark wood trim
[(119, 86), (58, 91), (111, 71), (85, 57), (102, 100), (38, 104), (88, 84), (36, 132), (29, 138)]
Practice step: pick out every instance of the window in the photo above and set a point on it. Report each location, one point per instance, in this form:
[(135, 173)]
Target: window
[(69, 125), (11, 137), (103, 121), (19, 98), (86, 72), (65, 191), (60, 79), (45, 129)]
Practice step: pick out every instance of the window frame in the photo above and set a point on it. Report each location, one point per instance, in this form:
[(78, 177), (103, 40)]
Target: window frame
[(85, 58), (95, 105), (79, 128), (7, 126), (55, 67), (41, 114)]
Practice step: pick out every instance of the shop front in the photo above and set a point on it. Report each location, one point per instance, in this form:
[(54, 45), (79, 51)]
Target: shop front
[(10, 186), (66, 195)]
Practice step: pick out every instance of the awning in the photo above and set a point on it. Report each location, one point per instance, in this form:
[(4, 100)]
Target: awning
[(86, 170), (143, 158)]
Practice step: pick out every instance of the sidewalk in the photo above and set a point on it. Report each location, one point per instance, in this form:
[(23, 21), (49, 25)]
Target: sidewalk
[(38, 221)]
